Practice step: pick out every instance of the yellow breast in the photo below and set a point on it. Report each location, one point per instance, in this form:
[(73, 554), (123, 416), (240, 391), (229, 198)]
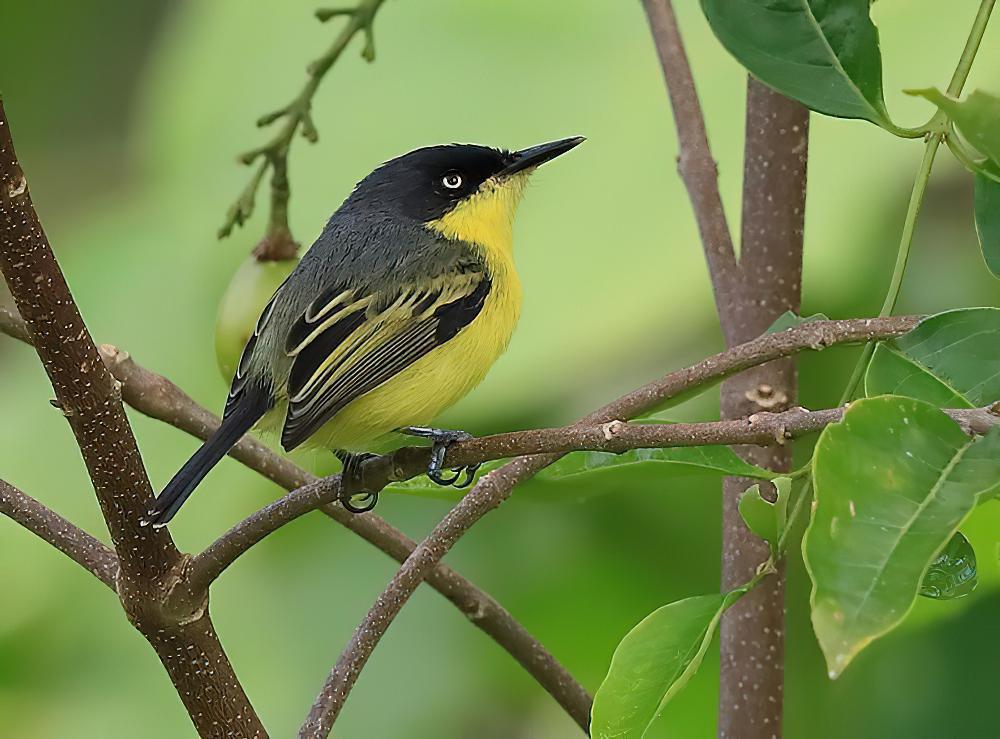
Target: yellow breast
[(438, 380)]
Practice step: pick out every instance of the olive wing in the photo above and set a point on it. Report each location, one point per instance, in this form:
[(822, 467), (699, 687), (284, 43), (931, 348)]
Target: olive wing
[(349, 342)]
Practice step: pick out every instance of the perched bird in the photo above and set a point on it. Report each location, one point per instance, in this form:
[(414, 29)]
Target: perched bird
[(397, 311)]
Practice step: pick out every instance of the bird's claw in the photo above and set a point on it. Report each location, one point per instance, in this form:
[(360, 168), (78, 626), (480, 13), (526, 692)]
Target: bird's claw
[(441, 439), (351, 483), (368, 501)]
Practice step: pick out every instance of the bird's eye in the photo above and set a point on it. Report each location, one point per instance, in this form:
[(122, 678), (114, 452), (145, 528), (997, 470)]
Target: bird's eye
[(452, 180)]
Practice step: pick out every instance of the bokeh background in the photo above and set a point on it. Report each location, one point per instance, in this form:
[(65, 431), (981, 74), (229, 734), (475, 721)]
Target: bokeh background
[(128, 117)]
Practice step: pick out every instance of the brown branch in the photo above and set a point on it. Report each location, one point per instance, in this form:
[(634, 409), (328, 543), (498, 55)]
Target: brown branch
[(760, 429), (497, 486), (49, 526), (410, 462), (159, 398), (751, 634), (695, 163), (89, 397)]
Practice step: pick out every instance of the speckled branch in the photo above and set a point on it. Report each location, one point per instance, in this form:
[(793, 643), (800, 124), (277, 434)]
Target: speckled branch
[(89, 397), (410, 462), (49, 526), (751, 634)]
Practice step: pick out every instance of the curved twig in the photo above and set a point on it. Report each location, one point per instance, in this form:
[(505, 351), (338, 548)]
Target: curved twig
[(696, 165)]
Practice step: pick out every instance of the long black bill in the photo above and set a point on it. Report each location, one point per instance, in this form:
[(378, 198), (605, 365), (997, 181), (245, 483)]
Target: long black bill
[(536, 155)]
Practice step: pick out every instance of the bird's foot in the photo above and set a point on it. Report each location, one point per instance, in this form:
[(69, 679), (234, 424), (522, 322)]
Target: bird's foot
[(352, 486), (441, 439)]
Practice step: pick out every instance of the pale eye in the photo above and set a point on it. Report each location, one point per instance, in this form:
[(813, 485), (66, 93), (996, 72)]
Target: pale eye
[(452, 180)]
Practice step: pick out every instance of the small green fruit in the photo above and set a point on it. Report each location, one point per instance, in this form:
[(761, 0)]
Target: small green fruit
[(251, 287)]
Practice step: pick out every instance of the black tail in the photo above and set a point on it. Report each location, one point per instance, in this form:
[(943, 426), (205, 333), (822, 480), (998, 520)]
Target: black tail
[(234, 425)]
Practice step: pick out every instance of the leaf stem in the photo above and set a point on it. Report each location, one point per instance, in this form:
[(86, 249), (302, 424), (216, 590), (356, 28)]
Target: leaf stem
[(961, 74), (935, 137), (804, 495), (968, 158)]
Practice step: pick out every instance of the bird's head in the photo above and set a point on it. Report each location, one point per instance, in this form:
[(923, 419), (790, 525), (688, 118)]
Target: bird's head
[(462, 191)]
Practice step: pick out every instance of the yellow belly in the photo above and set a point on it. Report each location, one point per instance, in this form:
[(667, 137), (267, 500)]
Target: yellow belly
[(433, 383)]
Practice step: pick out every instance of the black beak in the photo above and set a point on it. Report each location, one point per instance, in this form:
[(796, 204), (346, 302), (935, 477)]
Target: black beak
[(536, 155)]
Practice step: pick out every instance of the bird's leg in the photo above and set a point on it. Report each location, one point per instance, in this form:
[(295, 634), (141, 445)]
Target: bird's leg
[(441, 439), (351, 484)]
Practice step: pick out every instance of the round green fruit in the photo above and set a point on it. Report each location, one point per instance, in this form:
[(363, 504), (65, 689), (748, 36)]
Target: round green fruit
[(251, 287)]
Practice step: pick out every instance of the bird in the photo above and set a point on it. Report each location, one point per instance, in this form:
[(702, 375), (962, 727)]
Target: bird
[(398, 309)]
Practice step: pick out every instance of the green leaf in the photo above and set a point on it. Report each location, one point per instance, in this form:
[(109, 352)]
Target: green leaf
[(950, 359), (653, 662), (987, 207), (823, 54), (953, 574), (788, 320), (976, 117), (894, 480), (674, 461), (762, 517)]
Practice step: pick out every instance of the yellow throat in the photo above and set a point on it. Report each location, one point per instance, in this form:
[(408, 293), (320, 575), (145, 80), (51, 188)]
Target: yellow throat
[(486, 220)]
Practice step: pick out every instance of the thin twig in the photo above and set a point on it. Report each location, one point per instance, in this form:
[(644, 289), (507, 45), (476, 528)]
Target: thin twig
[(159, 398), (49, 526), (695, 163), (761, 429), (278, 243), (497, 486)]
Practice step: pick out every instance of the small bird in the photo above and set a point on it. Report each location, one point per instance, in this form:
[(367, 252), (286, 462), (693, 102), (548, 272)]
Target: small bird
[(396, 312)]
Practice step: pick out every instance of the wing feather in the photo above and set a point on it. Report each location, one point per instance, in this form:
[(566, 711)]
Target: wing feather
[(240, 380), (344, 351)]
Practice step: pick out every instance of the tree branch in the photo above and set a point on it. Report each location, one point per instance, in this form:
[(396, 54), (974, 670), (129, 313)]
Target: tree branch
[(278, 243), (49, 526), (159, 398), (89, 397), (410, 462), (695, 163), (496, 486), (751, 634)]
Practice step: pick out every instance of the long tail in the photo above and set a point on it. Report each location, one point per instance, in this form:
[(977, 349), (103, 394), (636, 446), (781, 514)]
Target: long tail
[(234, 425)]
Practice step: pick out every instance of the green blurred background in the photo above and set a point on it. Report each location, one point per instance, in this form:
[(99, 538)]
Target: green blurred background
[(128, 117)]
